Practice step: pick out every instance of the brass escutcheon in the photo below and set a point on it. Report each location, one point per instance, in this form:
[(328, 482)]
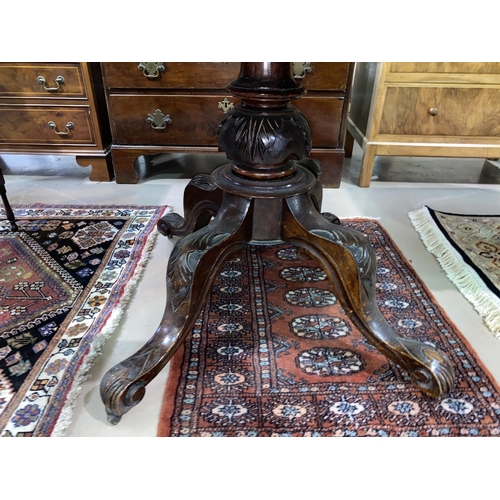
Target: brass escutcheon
[(225, 105)]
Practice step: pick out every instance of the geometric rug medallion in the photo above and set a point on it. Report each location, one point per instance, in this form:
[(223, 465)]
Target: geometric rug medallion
[(65, 278), (274, 354), (31, 284)]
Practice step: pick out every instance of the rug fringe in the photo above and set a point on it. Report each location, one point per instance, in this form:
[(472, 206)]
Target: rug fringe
[(460, 274), (95, 350)]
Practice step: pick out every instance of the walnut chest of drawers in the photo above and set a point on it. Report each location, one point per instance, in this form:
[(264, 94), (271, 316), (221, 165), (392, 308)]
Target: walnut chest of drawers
[(177, 107), (424, 109), (56, 109)]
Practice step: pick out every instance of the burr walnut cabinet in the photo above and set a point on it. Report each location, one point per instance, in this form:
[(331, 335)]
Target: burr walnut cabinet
[(424, 109), (177, 107), (57, 109)]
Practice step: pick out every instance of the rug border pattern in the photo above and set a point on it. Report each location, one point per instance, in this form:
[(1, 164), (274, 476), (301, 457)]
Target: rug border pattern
[(61, 400), (457, 267)]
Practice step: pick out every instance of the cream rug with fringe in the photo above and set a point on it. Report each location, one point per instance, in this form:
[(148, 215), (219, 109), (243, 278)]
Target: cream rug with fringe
[(468, 249), (65, 279)]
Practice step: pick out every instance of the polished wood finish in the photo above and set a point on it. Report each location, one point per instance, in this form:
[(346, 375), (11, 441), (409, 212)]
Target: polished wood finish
[(30, 125), (101, 167), (268, 193), (130, 113), (64, 118), (21, 80), (192, 94), (458, 111), (425, 109), (328, 77), (478, 68), (126, 75)]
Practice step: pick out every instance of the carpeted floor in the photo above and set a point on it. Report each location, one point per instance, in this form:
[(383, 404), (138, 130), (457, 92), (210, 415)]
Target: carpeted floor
[(64, 280), (468, 249), (273, 354)]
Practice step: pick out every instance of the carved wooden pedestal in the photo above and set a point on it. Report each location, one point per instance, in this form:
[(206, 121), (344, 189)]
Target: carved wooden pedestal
[(268, 194)]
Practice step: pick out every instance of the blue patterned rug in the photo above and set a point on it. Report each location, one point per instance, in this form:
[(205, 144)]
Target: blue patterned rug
[(64, 280)]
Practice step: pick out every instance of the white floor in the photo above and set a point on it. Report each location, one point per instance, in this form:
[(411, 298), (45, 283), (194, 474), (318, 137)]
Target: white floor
[(64, 182)]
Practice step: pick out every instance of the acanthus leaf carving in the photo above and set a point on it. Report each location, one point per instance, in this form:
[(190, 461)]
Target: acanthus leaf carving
[(184, 259)]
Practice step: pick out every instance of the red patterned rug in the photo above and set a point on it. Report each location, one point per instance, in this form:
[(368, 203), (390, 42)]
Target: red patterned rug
[(273, 354), (64, 279)]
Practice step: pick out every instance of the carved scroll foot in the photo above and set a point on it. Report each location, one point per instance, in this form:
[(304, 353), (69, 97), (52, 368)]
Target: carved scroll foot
[(429, 368), (113, 419), (202, 200), (192, 269), (350, 264)]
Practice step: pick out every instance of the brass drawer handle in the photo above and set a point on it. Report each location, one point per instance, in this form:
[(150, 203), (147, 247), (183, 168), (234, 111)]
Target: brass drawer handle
[(58, 80), (433, 111), (69, 126), (300, 69), (158, 120), (151, 69), (225, 105)]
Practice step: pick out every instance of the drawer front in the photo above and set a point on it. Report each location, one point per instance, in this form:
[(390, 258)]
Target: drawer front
[(63, 80), (446, 67), (325, 117), (441, 111), (318, 76), (323, 75), (207, 75), (194, 120), (32, 125)]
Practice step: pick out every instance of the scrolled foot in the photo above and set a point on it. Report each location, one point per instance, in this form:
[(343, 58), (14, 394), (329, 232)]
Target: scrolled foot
[(170, 224), (350, 262), (120, 389), (113, 419), (431, 370), (198, 216), (192, 268), (202, 200)]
